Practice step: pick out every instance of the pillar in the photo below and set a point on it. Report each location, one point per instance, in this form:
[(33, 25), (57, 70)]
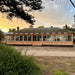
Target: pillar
[(14, 38), (51, 38), (72, 37), (31, 37), (42, 37), (23, 37), (62, 38)]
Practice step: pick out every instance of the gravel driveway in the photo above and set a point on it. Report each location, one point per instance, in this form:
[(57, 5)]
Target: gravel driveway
[(46, 51)]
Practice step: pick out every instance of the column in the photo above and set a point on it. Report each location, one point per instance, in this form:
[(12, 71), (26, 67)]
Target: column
[(23, 37), (36, 37), (14, 38), (62, 38), (6, 38), (31, 37), (72, 37), (41, 37), (51, 38)]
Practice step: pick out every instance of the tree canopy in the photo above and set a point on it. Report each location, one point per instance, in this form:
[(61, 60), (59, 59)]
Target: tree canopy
[(17, 8), (41, 26)]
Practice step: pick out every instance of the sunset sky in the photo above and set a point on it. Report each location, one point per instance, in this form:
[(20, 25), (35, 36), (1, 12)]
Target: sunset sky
[(56, 13)]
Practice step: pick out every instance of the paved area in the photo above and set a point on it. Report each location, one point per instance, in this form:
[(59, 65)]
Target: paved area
[(46, 51)]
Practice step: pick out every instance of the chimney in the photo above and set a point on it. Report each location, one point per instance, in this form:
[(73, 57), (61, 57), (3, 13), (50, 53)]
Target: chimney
[(66, 26), (10, 30), (17, 28)]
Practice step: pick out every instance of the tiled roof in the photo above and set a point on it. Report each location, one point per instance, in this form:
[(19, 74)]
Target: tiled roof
[(41, 30)]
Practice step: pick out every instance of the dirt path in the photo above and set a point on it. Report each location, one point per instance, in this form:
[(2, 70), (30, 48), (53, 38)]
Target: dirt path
[(47, 51)]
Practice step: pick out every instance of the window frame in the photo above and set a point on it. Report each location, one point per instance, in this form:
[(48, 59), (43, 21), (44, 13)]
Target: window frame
[(46, 37), (67, 38), (56, 38)]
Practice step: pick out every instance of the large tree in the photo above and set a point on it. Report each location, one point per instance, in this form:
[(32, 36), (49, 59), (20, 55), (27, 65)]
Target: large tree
[(17, 8)]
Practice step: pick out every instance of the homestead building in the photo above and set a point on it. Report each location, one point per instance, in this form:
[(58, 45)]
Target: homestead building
[(40, 37)]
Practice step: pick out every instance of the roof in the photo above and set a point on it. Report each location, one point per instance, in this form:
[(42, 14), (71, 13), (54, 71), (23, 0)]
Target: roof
[(41, 30)]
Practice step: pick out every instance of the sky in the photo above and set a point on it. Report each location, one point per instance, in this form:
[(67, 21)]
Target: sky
[(55, 13)]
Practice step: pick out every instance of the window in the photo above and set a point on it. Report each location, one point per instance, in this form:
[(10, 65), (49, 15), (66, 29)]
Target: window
[(21, 38), (25, 38), (44, 38), (39, 38), (67, 37), (56, 37), (47, 38), (29, 38), (34, 38), (10, 38), (17, 38)]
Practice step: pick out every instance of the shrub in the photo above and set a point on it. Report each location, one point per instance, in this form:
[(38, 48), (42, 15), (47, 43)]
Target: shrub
[(1, 35), (13, 63), (59, 72)]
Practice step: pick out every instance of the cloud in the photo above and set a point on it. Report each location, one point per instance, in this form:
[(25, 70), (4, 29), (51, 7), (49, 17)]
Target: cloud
[(58, 12), (55, 13)]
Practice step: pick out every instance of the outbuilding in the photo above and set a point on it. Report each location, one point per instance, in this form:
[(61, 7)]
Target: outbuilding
[(40, 37)]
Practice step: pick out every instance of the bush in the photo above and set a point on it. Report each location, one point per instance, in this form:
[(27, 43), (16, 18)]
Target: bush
[(13, 63), (1, 35), (59, 72)]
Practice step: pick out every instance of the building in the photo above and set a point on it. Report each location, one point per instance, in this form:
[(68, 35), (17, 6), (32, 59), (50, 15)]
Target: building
[(40, 37)]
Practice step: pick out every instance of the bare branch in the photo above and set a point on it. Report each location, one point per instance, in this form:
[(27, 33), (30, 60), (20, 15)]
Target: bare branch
[(72, 3)]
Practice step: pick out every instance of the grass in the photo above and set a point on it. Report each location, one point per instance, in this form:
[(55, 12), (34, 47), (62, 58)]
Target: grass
[(56, 65), (59, 72)]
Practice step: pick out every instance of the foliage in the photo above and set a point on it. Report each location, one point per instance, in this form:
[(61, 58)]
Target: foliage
[(31, 26), (18, 8), (59, 72), (13, 63), (73, 32), (66, 27), (41, 27), (1, 35)]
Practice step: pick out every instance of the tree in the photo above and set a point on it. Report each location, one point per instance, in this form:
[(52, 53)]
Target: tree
[(66, 27), (17, 8), (1, 35), (41, 27), (12, 30), (31, 26)]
